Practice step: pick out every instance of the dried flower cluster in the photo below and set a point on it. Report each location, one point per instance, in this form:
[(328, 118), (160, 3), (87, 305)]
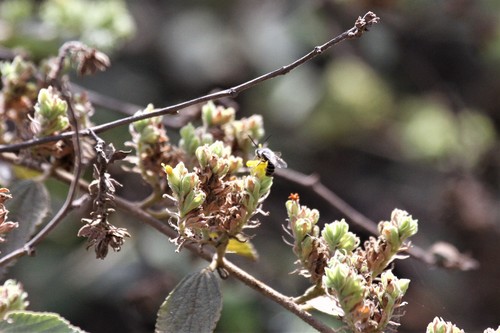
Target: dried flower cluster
[(32, 105), (354, 277), (5, 226), (100, 233), (213, 204)]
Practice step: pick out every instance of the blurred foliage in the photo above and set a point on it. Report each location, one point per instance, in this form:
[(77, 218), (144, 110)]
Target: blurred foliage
[(40, 28), (356, 100), (433, 132)]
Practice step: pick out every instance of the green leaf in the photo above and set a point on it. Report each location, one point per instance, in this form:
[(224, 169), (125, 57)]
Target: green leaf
[(40, 322), (194, 305), (244, 249), (28, 206)]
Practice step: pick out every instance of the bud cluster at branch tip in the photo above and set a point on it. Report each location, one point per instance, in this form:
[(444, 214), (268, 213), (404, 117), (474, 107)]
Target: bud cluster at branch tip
[(353, 277)]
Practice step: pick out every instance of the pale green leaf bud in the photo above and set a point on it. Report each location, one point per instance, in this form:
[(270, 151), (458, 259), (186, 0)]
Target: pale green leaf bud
[(313, 214), (207, 139), (217, 148), (391, 234), (301, 228), (336, 275), (221, 167), (392, 286), (203, 155), (349, 242), (252, 186), (333, 232), (139, 125), (150, 135), (406, 225), (403, 285), (50, 112), (235, 163), (189, 140), (174, 176), (189, 182), (193, 200), (292, 208), (207, 113)]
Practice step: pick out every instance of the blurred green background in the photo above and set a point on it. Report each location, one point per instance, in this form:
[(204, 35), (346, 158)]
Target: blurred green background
[(407, 117)]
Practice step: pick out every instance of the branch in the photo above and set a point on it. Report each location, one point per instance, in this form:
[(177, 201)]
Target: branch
[(129, 109), (361, 25)]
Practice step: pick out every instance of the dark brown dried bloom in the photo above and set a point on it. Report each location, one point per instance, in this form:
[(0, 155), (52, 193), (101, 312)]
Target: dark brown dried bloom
[(90, 61), (99, 232), (101, 235)]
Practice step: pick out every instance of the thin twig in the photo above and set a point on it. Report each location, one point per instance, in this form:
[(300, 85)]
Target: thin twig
[(126, 108), (361, 25), (313, 182)]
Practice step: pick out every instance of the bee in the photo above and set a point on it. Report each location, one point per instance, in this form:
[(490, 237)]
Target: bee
[(272, 158)]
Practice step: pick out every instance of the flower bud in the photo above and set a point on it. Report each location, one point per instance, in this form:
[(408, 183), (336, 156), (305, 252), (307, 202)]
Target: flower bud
[(189, 140), (174, 176), (12, 297), (302, 227), (193, 200), (50, 112), (149, 135), (348, 285), (398, 229), (188, 183), (235, 163), (203, 155), (333, 232), (213, 115), (217, 148), (292, 208), (438, 325), (392, 289), (407, 226), (140, 125)]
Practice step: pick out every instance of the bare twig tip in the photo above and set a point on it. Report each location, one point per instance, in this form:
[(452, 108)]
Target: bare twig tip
[(363, 23)]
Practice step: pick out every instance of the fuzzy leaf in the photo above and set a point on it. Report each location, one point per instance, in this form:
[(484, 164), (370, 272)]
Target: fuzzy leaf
[(28, 206), (40, 322), (326, 304), (194, 305), (244, 249)]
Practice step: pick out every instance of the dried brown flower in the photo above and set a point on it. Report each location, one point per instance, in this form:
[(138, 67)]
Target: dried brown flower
[(102, 235), (91, 61)]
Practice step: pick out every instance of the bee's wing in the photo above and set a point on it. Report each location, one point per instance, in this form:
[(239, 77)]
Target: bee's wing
[(278, 161)]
